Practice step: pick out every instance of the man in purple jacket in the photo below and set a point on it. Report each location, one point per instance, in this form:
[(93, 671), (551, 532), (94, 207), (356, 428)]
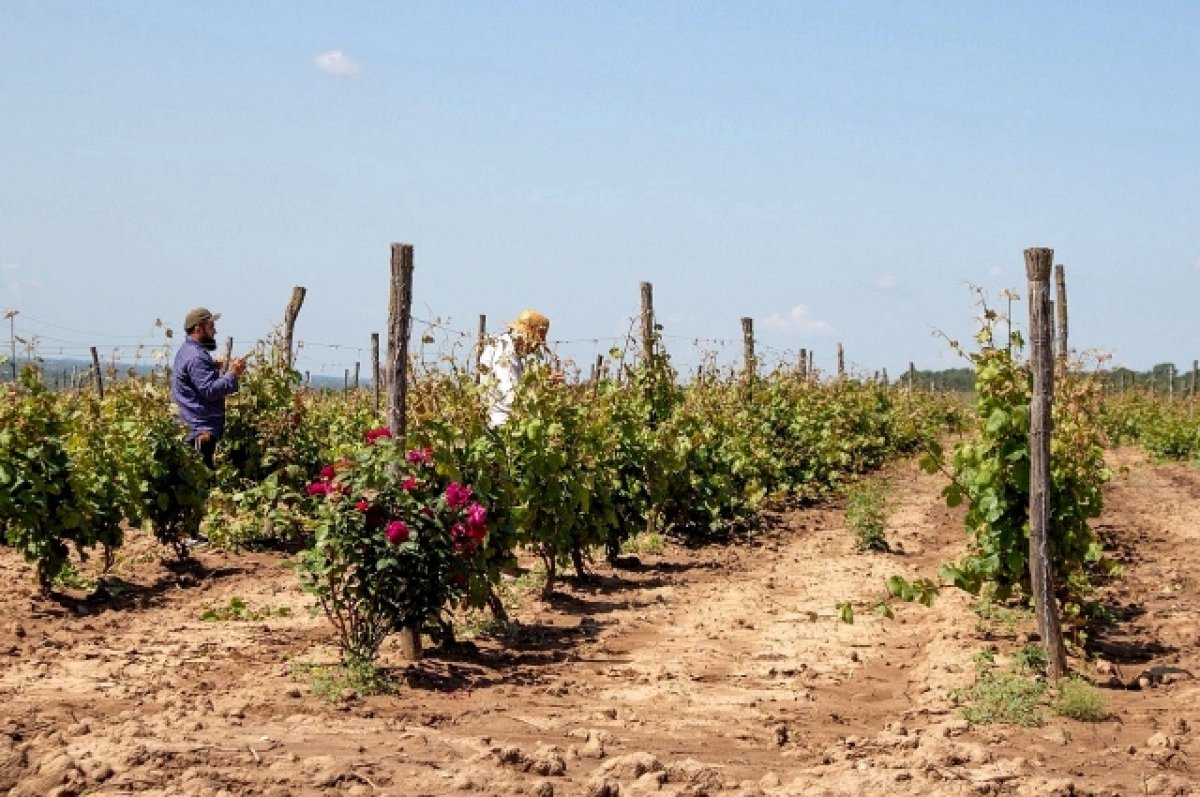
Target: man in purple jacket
[(197, 385)]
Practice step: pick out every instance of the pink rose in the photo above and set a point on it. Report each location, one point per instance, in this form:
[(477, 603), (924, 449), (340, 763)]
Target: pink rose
[(397, 532)]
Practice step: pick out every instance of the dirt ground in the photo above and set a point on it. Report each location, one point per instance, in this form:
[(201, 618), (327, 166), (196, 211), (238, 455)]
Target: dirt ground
[(718, 671)]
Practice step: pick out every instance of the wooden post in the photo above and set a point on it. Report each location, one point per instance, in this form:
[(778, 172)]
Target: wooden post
[(375, 368), (345, 380), (1037, 270), (803, 364), (356, 372), (228, 354), (885, 377), (1171, 382), (399, 323), (598, 368), (912, 375), (647, 324), (1060, 304), (289, 323), (1192, 392), (749, 361), (98, 376), (841, 360), (480, 342), (307, 379)]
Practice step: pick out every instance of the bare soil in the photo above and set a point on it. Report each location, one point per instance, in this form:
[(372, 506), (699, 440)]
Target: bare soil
[(720, 670)]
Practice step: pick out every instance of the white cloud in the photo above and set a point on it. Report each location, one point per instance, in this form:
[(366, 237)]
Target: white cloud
[(336, 62), (797, 320), (886, 283)]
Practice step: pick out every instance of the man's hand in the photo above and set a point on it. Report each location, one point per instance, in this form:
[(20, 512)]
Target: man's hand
[(237, 365)]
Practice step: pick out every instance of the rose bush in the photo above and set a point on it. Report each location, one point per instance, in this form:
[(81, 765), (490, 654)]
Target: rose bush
[(393, 543)]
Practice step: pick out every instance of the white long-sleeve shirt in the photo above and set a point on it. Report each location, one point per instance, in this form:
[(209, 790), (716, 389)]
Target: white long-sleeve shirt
[(500, 370)]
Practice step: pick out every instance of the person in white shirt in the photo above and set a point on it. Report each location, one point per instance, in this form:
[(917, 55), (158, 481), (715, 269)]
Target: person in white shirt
[(502, 362)]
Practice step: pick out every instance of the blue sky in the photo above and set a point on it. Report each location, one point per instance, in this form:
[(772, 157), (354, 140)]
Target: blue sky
[(840, 172)]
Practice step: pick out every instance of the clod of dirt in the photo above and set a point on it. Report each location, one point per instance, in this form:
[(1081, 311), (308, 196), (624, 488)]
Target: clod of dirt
[(628, 767)]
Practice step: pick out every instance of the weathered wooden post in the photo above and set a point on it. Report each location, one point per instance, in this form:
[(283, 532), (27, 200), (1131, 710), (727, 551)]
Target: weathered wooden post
[(228, 354), (803, 364), (399, 323), (1037, 270), (345, 380), (912, 376), (98, 376), (1192, 392), (885, 377), (841, 362), (289, 323), (480, 342), (375, 368), (356, 373), (1170, 381), (1060, 305), (750, 364), (647, 324)]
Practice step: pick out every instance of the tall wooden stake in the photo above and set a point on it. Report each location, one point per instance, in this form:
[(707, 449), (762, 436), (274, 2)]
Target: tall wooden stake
[(480, 342), (375, 369), (841, 360), (96, 370), (289, 323), (1060, 306), (748, 358), (1037, 270), (228, 354), (647, 324), (399, 324)]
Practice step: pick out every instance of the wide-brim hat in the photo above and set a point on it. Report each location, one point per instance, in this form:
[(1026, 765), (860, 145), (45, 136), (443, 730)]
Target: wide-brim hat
[(198, 316), (531, 325)]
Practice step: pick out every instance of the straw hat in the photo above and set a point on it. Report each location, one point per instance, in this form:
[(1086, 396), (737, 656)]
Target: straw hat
[(531, 325)]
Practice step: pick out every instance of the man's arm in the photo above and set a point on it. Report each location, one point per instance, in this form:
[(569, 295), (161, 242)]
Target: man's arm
[(209, 383)]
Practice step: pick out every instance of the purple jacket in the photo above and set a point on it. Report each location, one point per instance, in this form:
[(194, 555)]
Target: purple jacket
[(200, 390)]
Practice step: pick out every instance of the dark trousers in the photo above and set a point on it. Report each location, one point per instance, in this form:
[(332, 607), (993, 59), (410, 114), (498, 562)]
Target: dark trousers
[(206, 444)]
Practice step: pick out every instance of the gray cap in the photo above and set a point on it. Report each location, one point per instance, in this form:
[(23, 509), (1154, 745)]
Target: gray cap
[(201, 315)]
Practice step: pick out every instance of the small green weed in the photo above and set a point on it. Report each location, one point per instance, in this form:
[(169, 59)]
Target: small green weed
[(1081, 701), (866, 514), (237, 609), (333, 681), (1000, 697), (647, 542), (70, 578), (1007, 617), (1030, 659)]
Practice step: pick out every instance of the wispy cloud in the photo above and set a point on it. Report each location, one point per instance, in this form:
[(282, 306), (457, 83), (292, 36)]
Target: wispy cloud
[(336, 62), (797, 320), (886, 283)]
